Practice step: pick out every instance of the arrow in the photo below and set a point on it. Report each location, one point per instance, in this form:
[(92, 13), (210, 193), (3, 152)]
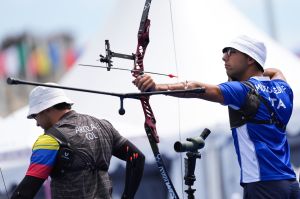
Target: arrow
[(132, 71)]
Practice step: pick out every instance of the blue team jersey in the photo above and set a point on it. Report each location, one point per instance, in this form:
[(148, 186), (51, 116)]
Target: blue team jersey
[(262, 149)]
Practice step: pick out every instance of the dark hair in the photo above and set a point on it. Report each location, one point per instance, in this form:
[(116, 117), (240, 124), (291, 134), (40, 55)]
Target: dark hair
[(259, 66), (62, 106), (256, 63)]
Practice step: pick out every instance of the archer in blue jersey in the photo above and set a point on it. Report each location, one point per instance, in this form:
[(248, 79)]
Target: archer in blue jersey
[(262, 149), (260, 104)]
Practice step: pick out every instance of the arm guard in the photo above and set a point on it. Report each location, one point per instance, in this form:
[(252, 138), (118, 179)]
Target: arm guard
[(135, 161), (28, 187)]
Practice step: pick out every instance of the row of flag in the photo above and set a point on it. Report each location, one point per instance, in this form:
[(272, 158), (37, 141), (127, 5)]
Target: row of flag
[(23, 59)]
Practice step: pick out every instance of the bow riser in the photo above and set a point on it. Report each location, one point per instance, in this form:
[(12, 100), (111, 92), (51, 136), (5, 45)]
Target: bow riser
[(150, 122)]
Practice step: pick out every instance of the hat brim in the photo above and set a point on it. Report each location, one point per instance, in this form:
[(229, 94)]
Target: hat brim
[(47, 104)]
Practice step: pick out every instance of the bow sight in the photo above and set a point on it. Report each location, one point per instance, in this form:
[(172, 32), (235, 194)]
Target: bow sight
[(110, 54)]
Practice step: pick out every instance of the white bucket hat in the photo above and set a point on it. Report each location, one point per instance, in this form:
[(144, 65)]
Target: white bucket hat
[(41, 98), (253, 48)]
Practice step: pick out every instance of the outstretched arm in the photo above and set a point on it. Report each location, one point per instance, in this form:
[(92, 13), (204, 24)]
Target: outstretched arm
[(212, 92), (135, 161), (274, 73)]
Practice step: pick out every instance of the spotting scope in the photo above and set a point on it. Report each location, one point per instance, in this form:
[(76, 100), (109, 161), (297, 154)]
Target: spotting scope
[(192, 144)]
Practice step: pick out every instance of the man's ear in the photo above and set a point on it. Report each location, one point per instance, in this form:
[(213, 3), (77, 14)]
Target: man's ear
[(251, 61)]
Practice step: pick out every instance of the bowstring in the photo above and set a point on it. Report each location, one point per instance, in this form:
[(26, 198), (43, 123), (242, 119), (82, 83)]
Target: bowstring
[(178, 100), (4, 183)]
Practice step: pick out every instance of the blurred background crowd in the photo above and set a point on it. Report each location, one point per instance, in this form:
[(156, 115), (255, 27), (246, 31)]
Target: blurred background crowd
[(31, 57)]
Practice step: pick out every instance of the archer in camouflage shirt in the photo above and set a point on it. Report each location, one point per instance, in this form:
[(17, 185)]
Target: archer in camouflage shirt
[(75, 151)]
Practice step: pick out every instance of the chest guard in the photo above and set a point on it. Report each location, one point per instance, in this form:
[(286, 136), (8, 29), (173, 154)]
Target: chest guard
[(248, 111), (68, 158)]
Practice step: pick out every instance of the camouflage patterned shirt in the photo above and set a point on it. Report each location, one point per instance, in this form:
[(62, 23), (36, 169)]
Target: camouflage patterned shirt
[(97, 138)]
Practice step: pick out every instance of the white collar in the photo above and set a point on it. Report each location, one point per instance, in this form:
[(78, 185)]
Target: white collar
[(261, 78)]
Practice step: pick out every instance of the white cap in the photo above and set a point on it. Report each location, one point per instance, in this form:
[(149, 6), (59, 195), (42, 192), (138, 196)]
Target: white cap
[(253, 48), (41, 98)]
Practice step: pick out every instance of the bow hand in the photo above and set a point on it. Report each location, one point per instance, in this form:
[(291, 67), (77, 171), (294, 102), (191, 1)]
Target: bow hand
[(144, 83)]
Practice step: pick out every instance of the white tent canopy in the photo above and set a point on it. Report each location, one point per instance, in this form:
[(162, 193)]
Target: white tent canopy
[(200, 30)]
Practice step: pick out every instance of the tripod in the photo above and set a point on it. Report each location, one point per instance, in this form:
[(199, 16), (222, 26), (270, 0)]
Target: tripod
[(189, 177), (191, 147)]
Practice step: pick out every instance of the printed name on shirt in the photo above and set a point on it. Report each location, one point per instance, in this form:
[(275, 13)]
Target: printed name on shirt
[(275, 102), (273, 89), (88, 130)]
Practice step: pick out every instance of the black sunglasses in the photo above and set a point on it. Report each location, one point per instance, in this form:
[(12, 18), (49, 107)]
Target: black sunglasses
[(229, 51)]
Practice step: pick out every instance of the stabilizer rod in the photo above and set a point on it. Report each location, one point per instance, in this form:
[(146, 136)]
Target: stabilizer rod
[(122, 96)]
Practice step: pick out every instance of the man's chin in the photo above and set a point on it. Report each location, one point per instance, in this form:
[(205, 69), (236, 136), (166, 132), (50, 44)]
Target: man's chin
[(231, 78)]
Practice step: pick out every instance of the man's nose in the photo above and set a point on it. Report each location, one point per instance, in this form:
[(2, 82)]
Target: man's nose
[(225, 57)]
